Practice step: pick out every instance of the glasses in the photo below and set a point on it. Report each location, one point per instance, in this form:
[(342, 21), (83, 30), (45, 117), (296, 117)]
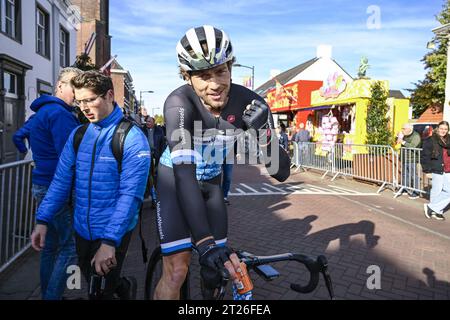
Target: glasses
[(88, 102)]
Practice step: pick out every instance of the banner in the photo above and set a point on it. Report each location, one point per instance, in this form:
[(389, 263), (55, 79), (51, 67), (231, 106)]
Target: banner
[(248, 82)]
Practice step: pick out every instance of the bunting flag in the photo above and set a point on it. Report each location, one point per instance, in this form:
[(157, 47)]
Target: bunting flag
[(90, 43), (106, 68), (280, 89)]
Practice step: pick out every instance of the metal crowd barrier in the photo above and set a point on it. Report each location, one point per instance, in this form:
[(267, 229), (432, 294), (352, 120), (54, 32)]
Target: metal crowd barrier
[(399, 171), (411, 178), (295, 160), (313, 156), (17, 209)]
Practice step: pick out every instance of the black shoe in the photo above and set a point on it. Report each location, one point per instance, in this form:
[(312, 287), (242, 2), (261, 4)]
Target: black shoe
[(428, 212), (227, 202), (439, 216), (153, 204), (127, 289)]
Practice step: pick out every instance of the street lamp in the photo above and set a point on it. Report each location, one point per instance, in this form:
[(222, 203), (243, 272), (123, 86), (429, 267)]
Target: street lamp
[(140, 96), (444, 32), (253, 72)]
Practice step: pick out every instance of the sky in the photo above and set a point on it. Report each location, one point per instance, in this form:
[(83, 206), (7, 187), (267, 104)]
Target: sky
[(274, 34)]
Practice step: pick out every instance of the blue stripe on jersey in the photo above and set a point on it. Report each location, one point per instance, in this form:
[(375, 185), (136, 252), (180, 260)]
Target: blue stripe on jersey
[(208, 155)]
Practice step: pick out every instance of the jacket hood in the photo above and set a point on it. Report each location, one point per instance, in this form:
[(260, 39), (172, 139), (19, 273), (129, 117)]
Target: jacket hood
[(47, 99)]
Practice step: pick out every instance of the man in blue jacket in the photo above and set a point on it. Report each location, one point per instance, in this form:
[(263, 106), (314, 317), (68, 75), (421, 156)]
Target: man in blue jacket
[(48, 132), (107, 201), (22, 134)]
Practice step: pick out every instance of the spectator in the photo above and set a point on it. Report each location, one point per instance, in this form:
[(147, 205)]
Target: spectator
[(302, 138), (48, 131), (108, 199), (284, 141), (157, 141), (435, 160), (427, 132), (408, 139), (22, 134), (302, 135), (156, 138)]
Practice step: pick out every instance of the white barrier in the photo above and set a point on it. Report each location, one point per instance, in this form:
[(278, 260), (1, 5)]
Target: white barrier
[(16, 211), (399, 171)]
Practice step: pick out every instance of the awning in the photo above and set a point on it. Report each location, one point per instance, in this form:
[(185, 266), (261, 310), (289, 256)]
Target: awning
[(315, 108)]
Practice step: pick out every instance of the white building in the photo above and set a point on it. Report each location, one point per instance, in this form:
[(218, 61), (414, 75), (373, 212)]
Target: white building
[(37, 39)]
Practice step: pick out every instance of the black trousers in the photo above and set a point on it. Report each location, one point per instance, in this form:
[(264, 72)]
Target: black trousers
[(86, 251)]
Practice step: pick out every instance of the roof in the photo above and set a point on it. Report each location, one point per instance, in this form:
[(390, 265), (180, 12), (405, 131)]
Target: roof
[(397, 94), (285, 77), (432, 115), (116, 65)]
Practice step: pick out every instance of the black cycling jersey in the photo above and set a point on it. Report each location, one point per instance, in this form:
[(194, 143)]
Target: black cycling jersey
[(184, 110)]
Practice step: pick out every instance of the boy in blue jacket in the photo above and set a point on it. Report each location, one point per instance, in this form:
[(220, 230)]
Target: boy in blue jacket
[(107, 200), (48, 132)]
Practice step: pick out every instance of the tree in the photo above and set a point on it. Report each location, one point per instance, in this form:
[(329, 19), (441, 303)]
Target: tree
[(84, 62), (159, 119), (378, 132), (431, 90)]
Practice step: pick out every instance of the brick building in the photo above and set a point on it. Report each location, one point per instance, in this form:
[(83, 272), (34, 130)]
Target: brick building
[(124, 92), (95, 18)]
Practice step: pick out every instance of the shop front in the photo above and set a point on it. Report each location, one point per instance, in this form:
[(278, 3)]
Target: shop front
[(339, 116)]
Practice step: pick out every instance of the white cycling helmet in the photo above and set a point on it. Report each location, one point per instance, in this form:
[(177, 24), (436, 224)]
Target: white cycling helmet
[(204, 48)]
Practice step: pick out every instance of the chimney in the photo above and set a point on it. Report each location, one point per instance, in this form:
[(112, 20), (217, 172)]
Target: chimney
[(324, 51)]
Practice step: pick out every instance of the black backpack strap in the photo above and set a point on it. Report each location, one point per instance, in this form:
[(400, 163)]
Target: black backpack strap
[(78, 137), (118, 140), (118, 147)]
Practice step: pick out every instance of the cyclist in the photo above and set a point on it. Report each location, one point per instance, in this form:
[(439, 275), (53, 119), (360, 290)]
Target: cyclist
[(201, 116)]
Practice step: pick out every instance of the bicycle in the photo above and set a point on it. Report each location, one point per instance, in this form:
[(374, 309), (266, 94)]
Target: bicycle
[(259, 264)]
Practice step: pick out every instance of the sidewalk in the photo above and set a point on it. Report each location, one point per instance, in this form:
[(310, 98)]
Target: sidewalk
[(345, 220)]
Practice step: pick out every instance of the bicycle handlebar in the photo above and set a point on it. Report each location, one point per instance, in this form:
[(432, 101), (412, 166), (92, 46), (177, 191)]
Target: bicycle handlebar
[(315, 267)]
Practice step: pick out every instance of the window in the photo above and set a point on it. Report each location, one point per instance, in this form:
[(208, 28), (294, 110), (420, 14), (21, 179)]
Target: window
[(42, 33), (10, 84), (44, 87), (10, 18), (64, 48)]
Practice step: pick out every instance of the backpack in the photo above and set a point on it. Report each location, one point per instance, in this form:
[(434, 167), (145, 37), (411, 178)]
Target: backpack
[(117, 147)]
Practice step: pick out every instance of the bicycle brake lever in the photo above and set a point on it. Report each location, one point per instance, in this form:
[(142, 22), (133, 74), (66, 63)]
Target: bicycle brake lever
[(323, 262), (225, 277)]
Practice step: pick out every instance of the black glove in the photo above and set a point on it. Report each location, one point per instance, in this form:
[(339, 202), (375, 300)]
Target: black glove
[(212, 259), (213, 256), (256, 116)]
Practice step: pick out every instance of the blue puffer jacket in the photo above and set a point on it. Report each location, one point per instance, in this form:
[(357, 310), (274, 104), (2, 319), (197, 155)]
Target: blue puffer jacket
[(106, 203), (49, 131)]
